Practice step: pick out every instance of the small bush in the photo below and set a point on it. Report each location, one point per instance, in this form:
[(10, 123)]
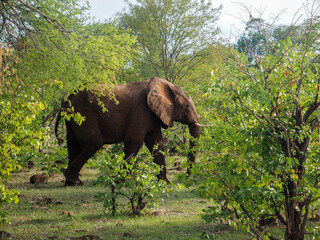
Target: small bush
[(135, 179)]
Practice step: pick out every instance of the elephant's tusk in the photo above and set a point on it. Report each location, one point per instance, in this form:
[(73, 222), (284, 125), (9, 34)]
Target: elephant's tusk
[(201, 125)]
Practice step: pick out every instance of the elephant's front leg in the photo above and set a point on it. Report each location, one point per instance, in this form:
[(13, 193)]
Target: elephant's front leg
[(154, 142)]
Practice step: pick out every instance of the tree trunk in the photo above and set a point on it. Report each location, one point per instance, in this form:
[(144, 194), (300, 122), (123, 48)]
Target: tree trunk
[(294, 229), (294, 234)]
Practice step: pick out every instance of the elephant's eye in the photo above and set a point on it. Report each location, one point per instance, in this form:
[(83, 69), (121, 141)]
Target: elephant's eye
[(188, 106)]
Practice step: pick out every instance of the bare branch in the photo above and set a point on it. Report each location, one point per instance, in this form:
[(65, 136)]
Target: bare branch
[(15, 23), (55, 22)]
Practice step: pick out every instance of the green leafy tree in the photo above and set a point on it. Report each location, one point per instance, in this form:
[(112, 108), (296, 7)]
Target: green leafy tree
[(263, 149), (19, 135), (41, 66), (79, 62), (259, 36), (21, 128), (171, 35), (253, 42)]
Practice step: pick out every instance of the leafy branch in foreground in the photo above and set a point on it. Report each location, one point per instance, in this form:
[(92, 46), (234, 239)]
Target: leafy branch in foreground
[(264, 160)]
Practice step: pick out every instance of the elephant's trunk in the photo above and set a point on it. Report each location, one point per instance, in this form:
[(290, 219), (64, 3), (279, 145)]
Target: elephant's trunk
[(194, 130)]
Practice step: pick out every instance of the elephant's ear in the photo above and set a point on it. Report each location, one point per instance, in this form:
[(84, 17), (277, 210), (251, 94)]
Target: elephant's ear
[(160, 99)]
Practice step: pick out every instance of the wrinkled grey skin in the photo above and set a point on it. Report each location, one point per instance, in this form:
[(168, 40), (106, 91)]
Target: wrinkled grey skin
[(143, 109)]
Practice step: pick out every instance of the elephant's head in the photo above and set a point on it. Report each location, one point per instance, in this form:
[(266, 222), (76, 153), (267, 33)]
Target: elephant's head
[(170, 103)]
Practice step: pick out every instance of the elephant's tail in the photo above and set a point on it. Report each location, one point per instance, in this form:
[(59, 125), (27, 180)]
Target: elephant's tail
[(60, 140)]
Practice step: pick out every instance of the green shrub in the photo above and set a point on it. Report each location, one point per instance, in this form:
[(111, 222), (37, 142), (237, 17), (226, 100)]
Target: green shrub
[(134, 179)]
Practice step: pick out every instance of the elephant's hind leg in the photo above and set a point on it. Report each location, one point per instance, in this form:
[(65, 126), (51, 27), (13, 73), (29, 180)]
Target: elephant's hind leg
[(74, 151), (73, 146)]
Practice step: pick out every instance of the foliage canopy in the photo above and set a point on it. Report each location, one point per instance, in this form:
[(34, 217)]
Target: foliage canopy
[(171, 34)]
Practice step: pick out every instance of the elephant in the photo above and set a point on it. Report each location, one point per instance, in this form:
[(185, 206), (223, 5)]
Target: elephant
[(140, 111)]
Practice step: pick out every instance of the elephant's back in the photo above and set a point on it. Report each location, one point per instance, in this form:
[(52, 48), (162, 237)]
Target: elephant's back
[(130, 90), (113, 115)]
